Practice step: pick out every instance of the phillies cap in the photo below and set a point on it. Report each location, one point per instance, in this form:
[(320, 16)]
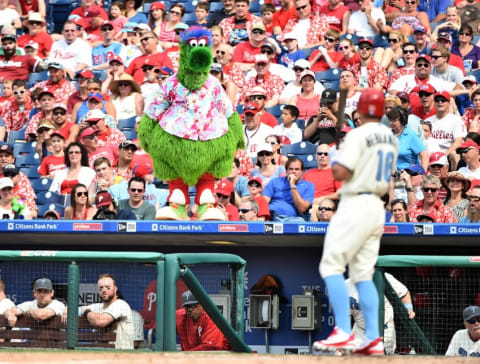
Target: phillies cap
[(255, 179), (6, 148), (438, 158), (371, 102), (427, 88), (422, 56), (261, 58), (302, 63), (329, 95), (5, 182), (157, 5), (45, 90), (416, 168), (250, 108), (420, 28), (306, 73), (142, 170), (32, 44), (224, 187), (188, 298), (116, 58), (43, 283), (59, 134), (85, 74), (105, 23), (365, 40), (94, 115), (403, 96), (445, 35), (469, 143), (216, 67), (167, 71), (9, 37), (470, 78), (59, 105), (103, 199), (471, 312), (423, 217), (443, 94), (10, 170), (257, 90), (78, 21), (95, 96), (127, 144), (87, 132)]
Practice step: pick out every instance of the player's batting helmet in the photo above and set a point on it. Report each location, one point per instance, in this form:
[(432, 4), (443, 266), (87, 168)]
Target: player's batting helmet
[(371, 103)]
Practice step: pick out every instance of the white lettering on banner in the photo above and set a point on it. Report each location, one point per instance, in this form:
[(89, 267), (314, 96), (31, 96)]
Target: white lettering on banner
[(35, 226), (180, 227), (316, 229), (88, 294), (38, 253), (467, 230), (10, 64)]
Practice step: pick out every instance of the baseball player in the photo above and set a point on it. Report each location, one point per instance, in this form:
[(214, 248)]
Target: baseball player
[(364, 164)]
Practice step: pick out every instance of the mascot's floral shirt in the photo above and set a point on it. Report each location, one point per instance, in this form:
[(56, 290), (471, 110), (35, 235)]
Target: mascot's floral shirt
[(196, 115)]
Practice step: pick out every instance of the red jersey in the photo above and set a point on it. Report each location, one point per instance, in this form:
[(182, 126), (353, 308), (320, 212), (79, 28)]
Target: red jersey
[(88, 15), (268, 119), (44, 41), (281, 17), (199, 335), (135, 68), (334, 17), (16, 68), (323, 181), (51, 164), (245, 52), (321, 64)]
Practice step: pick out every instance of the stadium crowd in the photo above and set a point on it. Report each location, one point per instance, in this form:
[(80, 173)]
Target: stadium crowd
[(71, 102)]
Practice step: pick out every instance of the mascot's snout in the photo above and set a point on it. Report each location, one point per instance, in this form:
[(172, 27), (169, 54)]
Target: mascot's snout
[(200, 59)]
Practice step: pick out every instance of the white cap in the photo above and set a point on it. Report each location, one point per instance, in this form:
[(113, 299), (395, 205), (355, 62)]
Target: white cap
[(5, 182), (261, 58), (290, 35), (302, 63), (94, 114), (265, 147)]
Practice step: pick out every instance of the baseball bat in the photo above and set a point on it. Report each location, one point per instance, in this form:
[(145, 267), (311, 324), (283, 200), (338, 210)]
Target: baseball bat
[(341, 110)]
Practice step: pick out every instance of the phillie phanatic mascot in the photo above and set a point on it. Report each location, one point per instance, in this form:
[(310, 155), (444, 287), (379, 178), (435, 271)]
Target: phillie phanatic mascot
[(191, 130)]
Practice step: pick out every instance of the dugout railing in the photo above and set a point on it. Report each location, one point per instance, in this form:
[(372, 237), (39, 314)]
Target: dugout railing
[(168, 269), (440, 286)]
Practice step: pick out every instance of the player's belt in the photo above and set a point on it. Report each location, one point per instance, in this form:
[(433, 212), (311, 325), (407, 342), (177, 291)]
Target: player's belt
[(364, 193)]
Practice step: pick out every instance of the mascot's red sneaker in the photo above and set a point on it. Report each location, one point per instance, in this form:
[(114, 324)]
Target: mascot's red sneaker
[(176, 209)]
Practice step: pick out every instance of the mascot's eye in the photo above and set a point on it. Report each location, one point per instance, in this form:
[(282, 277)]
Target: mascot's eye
[(203, 41), (192, 42)]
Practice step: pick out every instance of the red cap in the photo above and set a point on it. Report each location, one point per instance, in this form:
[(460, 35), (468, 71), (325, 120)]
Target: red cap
[(284, 139), (475, 182), (429, 216), (58, 133), (444, 94), (106, 22), (365, 40), (251, 108), (116, 59), (93, 11), (255, 179), (371, 103), (225, 187), (157, 5), (423, 56), (103, 199), (87, 132), (78, 21), (142, 170), (469, 143), (86, 74), (427, 88), (438, 158)]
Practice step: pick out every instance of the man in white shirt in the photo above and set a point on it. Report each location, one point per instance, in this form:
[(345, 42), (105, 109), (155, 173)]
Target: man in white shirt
[(73, 53), (254, 131), (447, 128), (41, 308), (5, 302), (111, 309), (441, 68), (466, 342), (363, 22), (469, 152)]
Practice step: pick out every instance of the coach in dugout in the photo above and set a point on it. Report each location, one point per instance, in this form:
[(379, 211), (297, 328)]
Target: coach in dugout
[(466, 342), (196, 330), (41, 308)]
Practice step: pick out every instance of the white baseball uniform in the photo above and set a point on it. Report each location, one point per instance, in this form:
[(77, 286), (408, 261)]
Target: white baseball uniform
[(462, 345), (447, 129), (389, 334), (370, 153)]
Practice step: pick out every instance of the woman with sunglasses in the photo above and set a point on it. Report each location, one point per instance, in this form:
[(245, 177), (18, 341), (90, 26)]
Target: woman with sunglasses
[(127, 97), (80, 208), (217, 38), (326, 57), (267, 167), (457, 186), (409, 19), (166, 31), (469, 52), (295, 87), (77, 171), (391, 58), (399, 211), (276, 143)]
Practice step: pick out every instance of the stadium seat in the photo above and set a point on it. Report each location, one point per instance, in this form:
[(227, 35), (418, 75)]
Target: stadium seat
[(44, 208), (275, 110), (22, 148), (215, 6), (189, 7), (41, 184), (30, 172), (130, 134), (329, 78), (16, 135), (146, 7), (35, 77), (309, 160), (297, 149), (32, 159), (380, 41), (256, 6), (240, 109), (47, 197), (127, 124), (476, 74), (189, 18), (301, 124), (354, 38)]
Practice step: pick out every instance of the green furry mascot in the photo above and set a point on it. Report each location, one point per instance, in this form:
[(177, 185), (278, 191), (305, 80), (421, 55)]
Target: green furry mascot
[(191, 130)]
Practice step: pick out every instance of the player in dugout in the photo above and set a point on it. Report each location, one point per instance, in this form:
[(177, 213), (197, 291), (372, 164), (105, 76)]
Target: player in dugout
[(196, 330)]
